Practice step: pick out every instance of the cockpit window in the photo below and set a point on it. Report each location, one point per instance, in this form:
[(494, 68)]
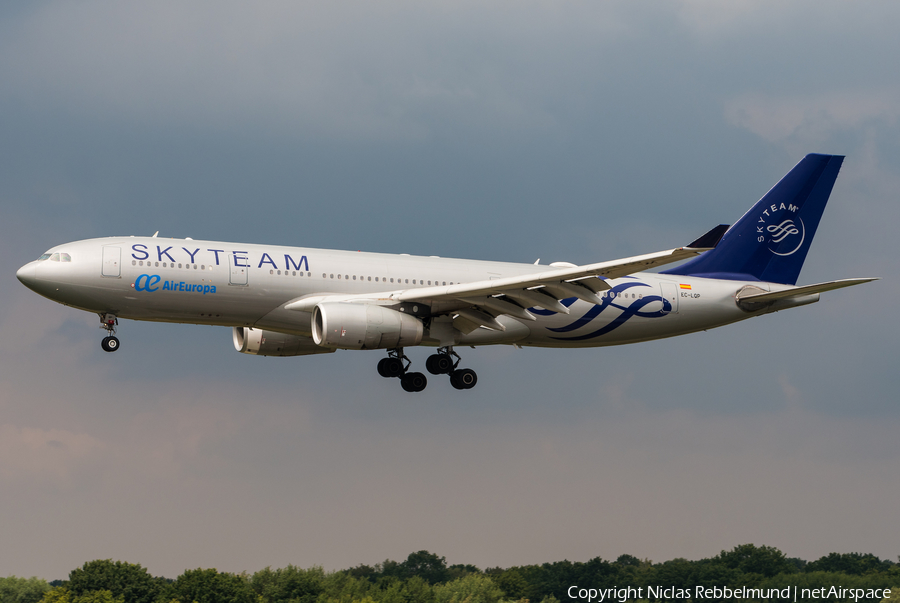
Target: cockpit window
[(65, 257), (54, 257), (45, 256)]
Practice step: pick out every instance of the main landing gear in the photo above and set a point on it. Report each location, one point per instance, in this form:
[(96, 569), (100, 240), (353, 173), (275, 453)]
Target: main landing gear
[(110, 343), (397, 365), (445, 362)]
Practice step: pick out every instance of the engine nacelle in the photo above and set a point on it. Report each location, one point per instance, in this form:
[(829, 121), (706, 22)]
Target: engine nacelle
[(363, 327), (271, 343)]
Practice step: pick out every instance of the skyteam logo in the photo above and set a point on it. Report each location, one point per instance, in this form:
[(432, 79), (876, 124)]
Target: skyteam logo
[(150, 283), (775, 227), (786, 230)]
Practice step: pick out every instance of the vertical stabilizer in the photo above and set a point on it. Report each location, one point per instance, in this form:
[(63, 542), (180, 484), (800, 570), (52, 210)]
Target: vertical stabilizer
[(769, 242)]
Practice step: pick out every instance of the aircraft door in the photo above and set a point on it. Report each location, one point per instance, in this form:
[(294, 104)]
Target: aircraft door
[(670, 294), (112, 261), (237, 274)]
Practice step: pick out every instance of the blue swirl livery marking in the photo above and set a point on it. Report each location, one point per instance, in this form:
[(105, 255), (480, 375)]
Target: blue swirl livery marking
[(627, 312)]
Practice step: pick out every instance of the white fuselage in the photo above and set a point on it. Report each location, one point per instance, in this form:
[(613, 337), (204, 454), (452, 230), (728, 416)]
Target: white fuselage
[(244, 285)]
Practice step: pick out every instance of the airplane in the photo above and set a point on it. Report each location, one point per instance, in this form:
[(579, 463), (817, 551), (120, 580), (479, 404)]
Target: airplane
[(294, 301)]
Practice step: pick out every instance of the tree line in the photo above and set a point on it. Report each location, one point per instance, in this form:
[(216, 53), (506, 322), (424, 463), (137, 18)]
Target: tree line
[(425, 577)]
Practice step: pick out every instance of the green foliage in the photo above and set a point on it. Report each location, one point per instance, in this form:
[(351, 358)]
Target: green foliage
[(428, 566), (511, 582), (211, 586), (473, 588), (751, 559), (61, 594), (460, 570), (22, 590), (849, 563), (340, 587), (288, 585), (424, 577), (411, 590), (127, 580)]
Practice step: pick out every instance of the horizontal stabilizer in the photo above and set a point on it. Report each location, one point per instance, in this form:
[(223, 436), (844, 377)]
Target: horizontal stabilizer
[(761, 298)]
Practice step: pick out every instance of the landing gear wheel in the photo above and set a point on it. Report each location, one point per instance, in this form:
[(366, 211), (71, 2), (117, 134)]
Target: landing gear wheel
[(413, 382), (439, 364), (382, 369), (455, 382), (110, 344), (463, 379), (391, 367)]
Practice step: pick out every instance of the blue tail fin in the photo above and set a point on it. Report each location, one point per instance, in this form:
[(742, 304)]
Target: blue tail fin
[(769, 242)]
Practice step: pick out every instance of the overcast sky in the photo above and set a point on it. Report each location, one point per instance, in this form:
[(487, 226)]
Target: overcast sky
[(576, 132)]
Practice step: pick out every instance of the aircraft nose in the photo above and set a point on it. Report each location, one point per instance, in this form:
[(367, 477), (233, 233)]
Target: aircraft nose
[(26, 274)]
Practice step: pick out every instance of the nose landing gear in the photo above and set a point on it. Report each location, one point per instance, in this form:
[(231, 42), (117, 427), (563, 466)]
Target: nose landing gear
[(110, 343)]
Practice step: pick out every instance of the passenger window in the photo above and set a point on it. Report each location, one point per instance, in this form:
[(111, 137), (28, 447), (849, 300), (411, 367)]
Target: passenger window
[(134, 262)]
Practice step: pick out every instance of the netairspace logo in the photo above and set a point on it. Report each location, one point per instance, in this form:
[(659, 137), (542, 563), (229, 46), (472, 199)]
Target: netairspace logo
[(150, 283), (671, 593)]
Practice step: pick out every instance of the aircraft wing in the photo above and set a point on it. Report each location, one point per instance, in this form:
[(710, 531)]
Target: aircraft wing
[(479, 303)]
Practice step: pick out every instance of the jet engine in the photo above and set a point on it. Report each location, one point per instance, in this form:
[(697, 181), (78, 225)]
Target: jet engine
[(272, 343), (363, 327)]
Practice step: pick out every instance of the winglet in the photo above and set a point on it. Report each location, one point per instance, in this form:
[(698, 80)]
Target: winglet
[(710, 239)]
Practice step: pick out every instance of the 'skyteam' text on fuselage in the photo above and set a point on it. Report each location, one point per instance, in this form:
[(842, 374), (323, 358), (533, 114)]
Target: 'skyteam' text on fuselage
[(291, 301)]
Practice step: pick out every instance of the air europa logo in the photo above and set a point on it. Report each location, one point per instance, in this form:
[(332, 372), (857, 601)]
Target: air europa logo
[(774, 227), (150, 283), (146, 282)]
